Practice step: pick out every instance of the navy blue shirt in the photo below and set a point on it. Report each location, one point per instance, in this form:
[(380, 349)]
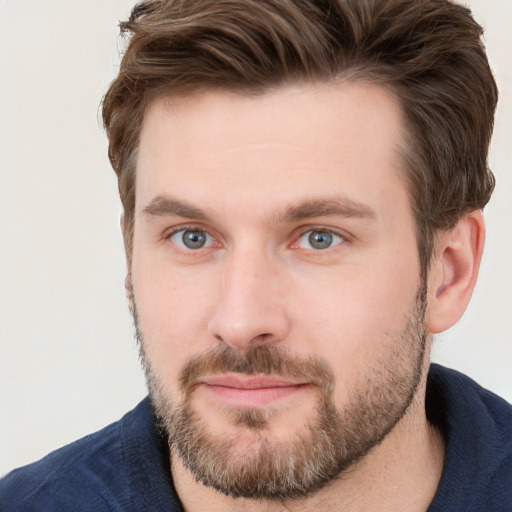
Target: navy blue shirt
[(125, 466)]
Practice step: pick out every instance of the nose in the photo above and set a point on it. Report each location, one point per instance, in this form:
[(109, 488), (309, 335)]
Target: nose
[(250, 310)]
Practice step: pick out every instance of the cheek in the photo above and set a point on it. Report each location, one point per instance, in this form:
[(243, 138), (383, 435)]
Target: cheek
[(355, 316), (172, 311)]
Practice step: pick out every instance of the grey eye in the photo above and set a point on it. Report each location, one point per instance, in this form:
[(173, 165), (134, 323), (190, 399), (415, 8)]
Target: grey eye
[(191, 239), (319, 240)]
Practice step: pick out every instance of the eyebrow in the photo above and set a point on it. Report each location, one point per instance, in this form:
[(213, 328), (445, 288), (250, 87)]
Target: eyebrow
[(338, 206), (162, 206)]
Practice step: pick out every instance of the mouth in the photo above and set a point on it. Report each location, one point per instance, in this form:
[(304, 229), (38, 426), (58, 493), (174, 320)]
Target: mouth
[(250, 391)]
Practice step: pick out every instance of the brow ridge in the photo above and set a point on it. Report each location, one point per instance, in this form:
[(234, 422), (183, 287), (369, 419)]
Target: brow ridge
[(339, 206), (162, 206)]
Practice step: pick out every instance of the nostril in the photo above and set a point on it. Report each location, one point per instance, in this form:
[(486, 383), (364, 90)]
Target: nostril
[(261, 338)]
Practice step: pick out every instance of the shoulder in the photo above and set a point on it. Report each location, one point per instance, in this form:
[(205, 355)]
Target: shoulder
[(467, 408), (80, 476), (477, 426)]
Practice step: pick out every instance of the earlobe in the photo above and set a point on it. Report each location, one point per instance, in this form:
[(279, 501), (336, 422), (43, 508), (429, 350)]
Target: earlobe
[(454, 272)]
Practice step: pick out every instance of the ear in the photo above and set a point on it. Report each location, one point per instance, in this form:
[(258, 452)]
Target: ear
[(453, 272), (128, 286), (125, 234)]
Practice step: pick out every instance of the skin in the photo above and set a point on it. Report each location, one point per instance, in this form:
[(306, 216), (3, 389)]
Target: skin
[(237, 168)]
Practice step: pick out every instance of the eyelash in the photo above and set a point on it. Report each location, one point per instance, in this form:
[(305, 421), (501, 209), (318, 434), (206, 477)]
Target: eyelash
[(344, 238), (198, 229)]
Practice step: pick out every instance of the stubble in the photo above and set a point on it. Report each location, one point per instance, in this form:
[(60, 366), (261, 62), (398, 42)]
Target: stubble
[(329, 444)]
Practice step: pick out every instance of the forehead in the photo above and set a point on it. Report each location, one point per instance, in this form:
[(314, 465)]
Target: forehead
[(290, 142)]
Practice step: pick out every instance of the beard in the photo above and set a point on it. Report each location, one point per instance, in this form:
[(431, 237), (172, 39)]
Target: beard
[(330, 442)]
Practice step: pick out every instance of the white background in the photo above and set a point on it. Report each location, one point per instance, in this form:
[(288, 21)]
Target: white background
[(68, 362)]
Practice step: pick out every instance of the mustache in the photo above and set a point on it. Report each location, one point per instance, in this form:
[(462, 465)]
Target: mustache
[(260, 359)]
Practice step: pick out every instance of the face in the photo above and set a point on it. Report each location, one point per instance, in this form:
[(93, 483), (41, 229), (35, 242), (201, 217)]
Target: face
[(275, 282)]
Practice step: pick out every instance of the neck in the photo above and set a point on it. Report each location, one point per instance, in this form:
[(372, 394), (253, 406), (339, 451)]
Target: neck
[(400, 474)]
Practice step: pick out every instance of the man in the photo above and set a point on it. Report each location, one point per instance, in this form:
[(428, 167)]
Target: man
[(302, 184)]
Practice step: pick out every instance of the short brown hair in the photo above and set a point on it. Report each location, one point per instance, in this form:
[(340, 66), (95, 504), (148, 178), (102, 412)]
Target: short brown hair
[(429, 52)]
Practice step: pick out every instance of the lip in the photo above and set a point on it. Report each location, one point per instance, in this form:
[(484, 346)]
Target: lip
[(250, 391)]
